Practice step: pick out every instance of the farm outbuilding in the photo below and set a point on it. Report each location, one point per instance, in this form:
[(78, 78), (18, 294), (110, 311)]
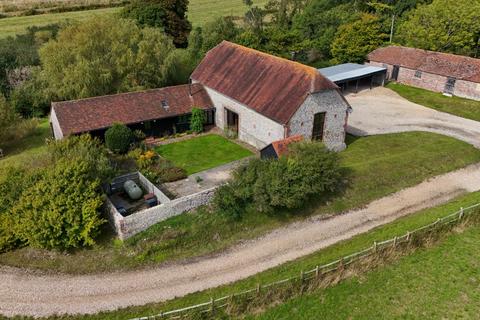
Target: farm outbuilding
[(435, 71), (354, 76), (156, 112), (278, 148)]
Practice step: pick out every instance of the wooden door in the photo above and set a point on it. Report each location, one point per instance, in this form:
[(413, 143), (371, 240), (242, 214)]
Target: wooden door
[(395, 72), (450, 85), (318, 125), (232, 120)]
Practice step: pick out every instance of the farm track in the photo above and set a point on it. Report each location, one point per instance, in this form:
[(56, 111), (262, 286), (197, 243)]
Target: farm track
[(32, 293)]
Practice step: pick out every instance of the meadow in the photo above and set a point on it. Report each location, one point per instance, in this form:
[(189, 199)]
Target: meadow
[(200, 12)]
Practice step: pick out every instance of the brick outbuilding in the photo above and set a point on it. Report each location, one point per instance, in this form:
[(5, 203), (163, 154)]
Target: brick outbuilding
[(435, 71)]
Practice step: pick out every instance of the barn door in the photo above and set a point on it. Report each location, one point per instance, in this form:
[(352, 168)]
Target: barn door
[(232, 120), (395, 71), (450, 85), (318, 125)]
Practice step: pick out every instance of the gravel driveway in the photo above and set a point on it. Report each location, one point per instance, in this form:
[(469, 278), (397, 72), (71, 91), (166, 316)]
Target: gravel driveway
[(382, 110), (35, 294)]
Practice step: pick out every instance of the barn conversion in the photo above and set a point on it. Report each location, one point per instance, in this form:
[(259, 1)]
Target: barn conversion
[(435, 71), (258, 97), (354, 75), (156, 112)]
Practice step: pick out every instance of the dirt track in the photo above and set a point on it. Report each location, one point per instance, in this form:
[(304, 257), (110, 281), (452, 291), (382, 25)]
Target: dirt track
[(28, 293)]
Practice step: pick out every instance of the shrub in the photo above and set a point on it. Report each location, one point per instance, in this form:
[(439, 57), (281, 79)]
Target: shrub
[(118, 138), (287, 183), (197, 120), (61, 210)]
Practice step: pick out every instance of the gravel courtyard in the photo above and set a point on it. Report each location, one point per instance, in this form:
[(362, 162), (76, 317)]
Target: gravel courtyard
[(382, 110)]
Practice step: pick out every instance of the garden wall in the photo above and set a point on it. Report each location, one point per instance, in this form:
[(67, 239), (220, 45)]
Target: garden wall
[(125, 227)]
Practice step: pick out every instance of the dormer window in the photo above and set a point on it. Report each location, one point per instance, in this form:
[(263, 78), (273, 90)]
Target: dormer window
[(165, 104)]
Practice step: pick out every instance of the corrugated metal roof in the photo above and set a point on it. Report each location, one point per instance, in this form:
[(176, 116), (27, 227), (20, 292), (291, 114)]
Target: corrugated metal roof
[(272, 86), (349, 71)]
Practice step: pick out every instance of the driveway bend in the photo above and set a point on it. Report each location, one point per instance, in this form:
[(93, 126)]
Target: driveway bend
[(30, 293), (382, 110)]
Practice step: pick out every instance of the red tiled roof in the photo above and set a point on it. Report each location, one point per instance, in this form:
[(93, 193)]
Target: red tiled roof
[(444, 64), (281, 146), (272, 86), (78, 116)]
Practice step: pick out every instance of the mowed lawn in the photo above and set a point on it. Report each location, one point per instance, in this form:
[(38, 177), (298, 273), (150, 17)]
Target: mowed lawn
[(440, 282), (200, 12), (202, 153), (376, 165), (461, 107)]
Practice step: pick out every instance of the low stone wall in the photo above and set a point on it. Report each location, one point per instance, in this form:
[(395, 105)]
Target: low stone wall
[(125, 227)]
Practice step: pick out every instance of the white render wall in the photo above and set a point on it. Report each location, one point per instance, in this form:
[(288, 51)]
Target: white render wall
[(335, 106), (253, 127), (57, 131)]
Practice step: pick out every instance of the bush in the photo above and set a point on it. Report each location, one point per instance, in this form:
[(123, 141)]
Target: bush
[(197, 120), (61, 210), (287, 183), (118, 138)]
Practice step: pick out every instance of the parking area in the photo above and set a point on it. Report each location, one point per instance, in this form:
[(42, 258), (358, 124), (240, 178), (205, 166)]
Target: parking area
[(381, 110)]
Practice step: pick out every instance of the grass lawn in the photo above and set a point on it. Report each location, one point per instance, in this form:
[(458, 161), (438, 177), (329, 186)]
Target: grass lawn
[(461, 107), (26, 150), (202, 153), (378, 165), (200, 12), (415, 284), (441, 282)]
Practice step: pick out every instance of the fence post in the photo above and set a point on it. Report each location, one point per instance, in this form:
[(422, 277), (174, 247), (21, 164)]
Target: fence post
[(460, 216), (212, 304), (317, 272), (408, 235), (375, 246), (395, 241), (302, 278), (258, 288)]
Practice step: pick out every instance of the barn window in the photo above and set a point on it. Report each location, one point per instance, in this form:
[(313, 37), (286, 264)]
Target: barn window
[(418, 74)]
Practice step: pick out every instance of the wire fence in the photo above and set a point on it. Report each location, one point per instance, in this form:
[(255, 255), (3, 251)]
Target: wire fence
[(320, 270)]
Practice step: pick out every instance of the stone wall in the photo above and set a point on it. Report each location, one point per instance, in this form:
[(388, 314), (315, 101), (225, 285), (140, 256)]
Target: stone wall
[(432, 82), (335, 106), (253, 128), (125, 227)]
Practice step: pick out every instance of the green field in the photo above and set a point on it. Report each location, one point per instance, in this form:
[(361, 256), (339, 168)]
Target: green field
[(461, 107), (441, 282), (200, 12), (377, 165), (27, 150), (202, 153)]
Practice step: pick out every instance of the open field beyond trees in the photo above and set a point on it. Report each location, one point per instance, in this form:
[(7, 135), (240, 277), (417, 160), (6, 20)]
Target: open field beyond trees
[(200, 12), (202, 153), (377, 165), (461, 107)]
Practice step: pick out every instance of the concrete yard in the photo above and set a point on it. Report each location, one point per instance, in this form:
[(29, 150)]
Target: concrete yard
[(382, 110)]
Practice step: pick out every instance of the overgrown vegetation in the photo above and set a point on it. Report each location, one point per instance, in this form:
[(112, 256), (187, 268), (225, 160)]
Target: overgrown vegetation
[(270, 186), (197, 119), (56, 206), (461, 107), (378, 165)]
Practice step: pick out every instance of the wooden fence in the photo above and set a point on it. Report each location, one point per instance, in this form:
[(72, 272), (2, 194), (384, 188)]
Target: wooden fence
[(319, 270)]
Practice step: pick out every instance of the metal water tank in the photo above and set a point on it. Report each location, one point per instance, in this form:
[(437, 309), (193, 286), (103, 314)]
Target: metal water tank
[(133, 190)]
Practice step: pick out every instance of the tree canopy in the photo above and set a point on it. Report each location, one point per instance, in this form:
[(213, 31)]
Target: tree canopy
[(169, 15), (444, 25), (104, 56)]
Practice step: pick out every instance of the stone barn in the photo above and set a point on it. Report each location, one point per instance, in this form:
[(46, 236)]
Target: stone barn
[(253, 95), (262, 98), (435, 71)]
